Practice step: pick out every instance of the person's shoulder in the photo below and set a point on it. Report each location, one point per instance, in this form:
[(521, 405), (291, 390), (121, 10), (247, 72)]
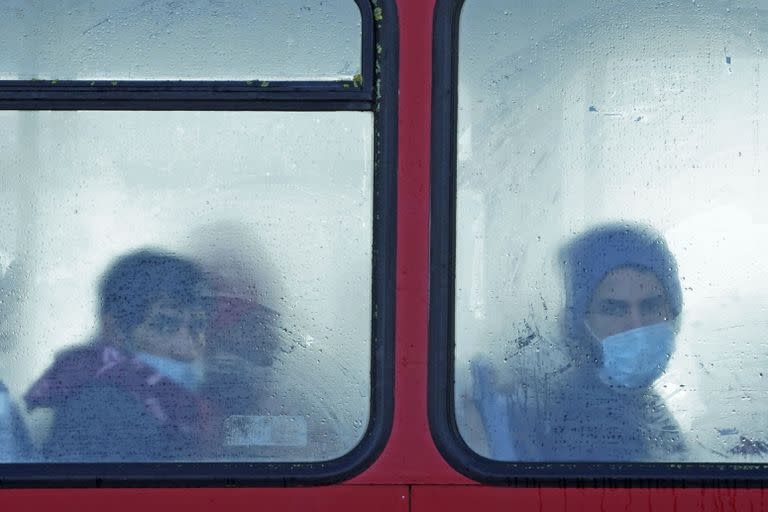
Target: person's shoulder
[(90, 349), (77, 359), (73, 368)]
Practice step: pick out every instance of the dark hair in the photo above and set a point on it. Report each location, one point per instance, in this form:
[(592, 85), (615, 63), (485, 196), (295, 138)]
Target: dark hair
[(137, 280), (589, 257)]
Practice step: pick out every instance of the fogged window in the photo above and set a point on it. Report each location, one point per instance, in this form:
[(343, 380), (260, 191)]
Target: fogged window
[(166, 40), (611, 231), (184, 286)]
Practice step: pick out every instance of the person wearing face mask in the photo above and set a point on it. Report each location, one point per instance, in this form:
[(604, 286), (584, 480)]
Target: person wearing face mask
[(623, 303), (136, 393)]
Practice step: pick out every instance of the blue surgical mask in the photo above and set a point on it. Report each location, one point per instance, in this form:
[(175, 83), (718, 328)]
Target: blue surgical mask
[(186, 374), (636, 358)]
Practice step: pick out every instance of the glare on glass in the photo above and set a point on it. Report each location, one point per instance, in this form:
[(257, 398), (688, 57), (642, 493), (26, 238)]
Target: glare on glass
[(190, 40)]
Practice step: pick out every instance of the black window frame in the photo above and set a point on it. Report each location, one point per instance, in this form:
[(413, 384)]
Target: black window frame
[(376, 92), (442, 407)]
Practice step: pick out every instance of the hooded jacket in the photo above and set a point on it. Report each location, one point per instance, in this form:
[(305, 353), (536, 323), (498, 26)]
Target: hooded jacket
[(569, 414)]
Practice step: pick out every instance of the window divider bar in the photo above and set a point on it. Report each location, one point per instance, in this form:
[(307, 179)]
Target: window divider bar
[(54, 91), (367, 52), (184, 95)]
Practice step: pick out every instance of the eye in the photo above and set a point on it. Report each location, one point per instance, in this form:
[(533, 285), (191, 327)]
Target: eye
[(165, 324), (654, 306), (613, 308)]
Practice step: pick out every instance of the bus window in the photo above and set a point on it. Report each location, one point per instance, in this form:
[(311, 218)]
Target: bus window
[(248, 197), (201, 40), (195, 260), (609, 218)]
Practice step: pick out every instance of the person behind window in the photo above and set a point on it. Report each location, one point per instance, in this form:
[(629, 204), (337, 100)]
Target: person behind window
[(13, 286), (15, 445), (282, 412), (623, 302), (272, 416), (136, 392)]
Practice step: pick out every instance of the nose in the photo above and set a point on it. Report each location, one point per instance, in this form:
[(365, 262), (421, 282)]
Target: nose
[(635, 318), (189, 342)]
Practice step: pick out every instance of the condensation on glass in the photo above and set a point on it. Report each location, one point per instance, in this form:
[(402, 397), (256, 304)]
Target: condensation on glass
[(165, 40), (266, 221), (611, 230)]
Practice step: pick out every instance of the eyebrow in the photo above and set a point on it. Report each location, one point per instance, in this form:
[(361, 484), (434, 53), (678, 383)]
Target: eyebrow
[(609, 304), (622, 303), (654, 301), (660, 296), (613, 302)]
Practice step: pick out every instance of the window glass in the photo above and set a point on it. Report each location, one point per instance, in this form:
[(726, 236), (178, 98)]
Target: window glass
[(611, 228), (185, 286), (164, 40)]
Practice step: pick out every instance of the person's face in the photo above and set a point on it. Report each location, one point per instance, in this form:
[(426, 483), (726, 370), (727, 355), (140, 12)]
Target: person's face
[(626, 298), (172, 331)]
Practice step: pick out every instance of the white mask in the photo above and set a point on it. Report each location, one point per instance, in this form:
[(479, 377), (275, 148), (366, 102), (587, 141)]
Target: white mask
[(636, 358), (187, 374)]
